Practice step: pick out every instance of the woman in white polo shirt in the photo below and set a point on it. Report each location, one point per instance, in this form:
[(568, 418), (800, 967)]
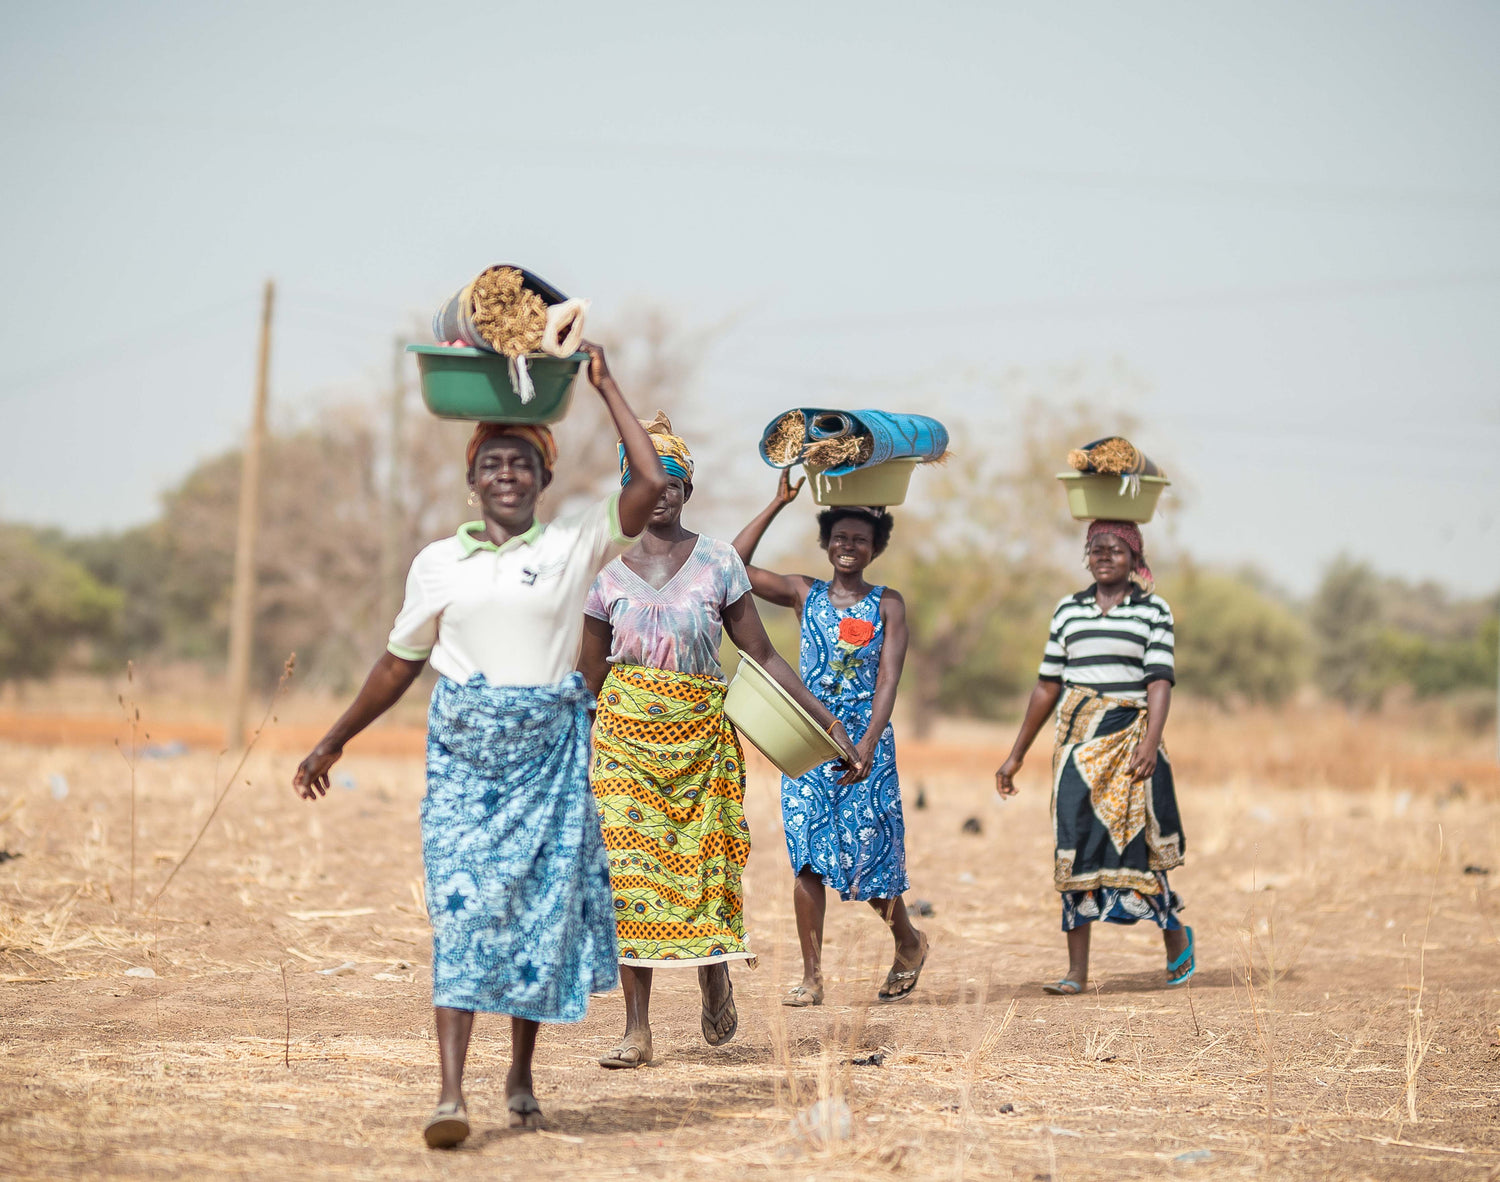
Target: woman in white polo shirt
[(1110, 659), (517, 879)]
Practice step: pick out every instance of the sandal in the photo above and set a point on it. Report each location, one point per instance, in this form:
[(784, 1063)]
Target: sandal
[(1176, 974), (627, 1054), (447, 1126), (907, 977), (801, 996), (1063, 988), (710, 1022), (525, 1112)]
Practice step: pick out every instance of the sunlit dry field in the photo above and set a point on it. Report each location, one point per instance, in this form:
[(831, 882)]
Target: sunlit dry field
[(1343, 880)]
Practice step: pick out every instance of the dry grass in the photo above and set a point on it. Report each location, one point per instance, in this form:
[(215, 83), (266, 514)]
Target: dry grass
[(509, 316), (784, 444), (1342, 1022)]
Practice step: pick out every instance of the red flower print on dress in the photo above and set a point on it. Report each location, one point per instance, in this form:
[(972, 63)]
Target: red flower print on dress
[(856, 632)]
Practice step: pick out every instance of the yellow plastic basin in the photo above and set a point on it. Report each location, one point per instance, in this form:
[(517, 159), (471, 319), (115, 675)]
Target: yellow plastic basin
[(884, 484), (766, 715), (1092, 497)]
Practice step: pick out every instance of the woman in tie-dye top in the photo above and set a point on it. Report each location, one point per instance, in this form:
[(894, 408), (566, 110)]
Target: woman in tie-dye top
[(668, 773)]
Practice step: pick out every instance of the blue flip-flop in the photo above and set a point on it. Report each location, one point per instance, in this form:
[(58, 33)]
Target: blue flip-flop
[(1187, 958)]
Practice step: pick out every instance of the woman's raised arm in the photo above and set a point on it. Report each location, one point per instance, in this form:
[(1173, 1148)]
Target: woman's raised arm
[(782, 590), (647, 477)]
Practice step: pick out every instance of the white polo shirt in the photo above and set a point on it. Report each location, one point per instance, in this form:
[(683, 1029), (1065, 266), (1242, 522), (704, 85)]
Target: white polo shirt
[(512, 612)]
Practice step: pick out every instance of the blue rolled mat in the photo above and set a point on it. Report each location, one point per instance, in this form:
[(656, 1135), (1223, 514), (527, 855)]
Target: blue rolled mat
[(894, 435)]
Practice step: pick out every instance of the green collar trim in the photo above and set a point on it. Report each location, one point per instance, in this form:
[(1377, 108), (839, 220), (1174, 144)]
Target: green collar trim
[(471, 538)]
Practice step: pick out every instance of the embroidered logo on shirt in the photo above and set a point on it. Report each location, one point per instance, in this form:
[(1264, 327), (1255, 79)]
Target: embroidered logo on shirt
[(551, 570)]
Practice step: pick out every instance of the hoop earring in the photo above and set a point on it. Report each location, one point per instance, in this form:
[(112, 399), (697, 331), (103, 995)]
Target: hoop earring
[(473, 497)]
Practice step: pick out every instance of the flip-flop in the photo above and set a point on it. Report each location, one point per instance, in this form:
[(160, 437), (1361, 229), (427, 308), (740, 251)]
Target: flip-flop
[(525, 1112), (627, 1054), (710, 1022), (1187, 958), (1063, 988), (801, 996), (902, 976), (447, 1127)]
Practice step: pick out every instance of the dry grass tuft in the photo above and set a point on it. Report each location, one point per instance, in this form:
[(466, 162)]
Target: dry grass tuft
[(785, 443), (847, 449)]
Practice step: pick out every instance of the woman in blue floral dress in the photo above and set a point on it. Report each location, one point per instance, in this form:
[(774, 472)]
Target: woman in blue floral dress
[(841, 832)]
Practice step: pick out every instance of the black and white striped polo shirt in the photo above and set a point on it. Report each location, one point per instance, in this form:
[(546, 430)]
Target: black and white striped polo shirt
[(1114, 654)]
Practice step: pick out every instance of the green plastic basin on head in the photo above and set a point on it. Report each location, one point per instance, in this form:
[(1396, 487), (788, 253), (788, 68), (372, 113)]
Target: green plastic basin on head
[(1092, 497), (883, 484), (474, 384), (766, 715)]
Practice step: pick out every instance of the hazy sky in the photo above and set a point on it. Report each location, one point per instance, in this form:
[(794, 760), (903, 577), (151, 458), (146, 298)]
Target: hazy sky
[(1283, 218)]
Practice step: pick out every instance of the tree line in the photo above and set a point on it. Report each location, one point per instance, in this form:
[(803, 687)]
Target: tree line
[(982, 553)]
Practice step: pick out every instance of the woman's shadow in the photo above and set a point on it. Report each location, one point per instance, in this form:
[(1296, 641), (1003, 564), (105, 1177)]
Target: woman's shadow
[(641, 1113)]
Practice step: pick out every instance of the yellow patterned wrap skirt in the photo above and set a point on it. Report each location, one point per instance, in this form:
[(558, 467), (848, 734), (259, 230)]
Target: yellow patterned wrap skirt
[(1112, 831), (669, 778)]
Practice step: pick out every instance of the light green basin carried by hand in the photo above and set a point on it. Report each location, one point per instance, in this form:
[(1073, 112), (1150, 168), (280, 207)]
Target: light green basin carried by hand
[(766, 715)]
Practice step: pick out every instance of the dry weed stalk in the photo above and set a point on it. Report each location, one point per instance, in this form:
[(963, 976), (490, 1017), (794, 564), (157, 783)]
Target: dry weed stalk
[(1263, 1011), (133, 717), (286, 998), (1416, 1043), (286, 676), (1096, 1041)]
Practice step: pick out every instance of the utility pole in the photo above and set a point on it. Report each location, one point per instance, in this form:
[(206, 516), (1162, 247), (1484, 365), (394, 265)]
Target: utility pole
[(389, 600), (242, 606)]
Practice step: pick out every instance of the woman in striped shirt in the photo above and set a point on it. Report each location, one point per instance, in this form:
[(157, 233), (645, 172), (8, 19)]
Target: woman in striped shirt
[(1109, 658)]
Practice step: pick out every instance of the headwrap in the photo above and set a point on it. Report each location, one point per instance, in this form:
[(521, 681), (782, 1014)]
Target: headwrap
[(1129, 533), (672, 449), (539, 436)]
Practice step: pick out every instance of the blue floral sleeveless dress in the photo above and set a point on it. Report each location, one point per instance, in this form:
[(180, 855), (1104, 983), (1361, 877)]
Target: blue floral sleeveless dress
[(852, 835)]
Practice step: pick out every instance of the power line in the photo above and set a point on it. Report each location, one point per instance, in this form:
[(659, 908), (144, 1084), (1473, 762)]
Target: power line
[(178, 327), (1192, 301), (906, 171)]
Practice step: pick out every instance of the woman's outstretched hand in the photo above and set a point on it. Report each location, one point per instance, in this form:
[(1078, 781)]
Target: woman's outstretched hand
[(598, 367), (311, 780), (1005, 777), (786, 491)]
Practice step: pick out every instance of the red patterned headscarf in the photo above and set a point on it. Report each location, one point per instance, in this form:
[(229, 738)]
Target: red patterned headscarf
[(539, 436), (1129, 533)]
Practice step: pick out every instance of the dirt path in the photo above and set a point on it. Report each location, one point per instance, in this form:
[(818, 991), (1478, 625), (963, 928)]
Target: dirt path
[(1291, 1055)]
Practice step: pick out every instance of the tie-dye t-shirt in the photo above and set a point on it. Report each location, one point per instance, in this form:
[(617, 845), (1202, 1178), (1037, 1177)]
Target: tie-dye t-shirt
[(677, 628)]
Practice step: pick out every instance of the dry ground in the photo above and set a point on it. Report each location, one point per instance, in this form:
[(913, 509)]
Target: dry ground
[(1343, 1022)]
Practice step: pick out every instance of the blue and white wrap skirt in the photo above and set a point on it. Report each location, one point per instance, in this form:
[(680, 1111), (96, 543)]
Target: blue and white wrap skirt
[(517, 878)]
